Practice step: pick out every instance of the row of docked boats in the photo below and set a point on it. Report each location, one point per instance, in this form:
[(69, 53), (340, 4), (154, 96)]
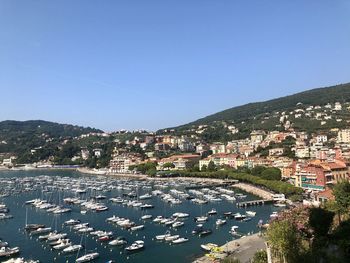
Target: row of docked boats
[(6, 251), (4, 212)]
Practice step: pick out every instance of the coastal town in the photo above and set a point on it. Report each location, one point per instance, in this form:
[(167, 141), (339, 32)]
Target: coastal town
[(312, 161), (175, 131)]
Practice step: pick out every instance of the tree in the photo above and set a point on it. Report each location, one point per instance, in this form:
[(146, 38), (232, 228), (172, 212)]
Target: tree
[(271, 173), (204, 168), (341, 192), (320, 220), (211, 167), (230, 260), (260, 257), (257, 170), (284, 240)]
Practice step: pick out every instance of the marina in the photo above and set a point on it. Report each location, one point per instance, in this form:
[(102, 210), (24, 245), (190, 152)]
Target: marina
[(64, 216)]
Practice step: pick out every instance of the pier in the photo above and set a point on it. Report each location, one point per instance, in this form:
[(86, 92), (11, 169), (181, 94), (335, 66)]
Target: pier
[(254, 202)]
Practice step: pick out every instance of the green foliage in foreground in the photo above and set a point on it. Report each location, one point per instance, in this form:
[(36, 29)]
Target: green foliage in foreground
[(260, 257)]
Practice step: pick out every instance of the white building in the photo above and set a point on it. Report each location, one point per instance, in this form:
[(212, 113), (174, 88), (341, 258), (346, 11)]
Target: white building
[(344, 136)]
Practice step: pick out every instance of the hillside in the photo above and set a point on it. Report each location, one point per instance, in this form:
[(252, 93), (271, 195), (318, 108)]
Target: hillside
[(267, 115), (22, 136)]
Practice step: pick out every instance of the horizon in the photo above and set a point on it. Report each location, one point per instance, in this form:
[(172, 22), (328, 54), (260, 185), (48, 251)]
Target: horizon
[(155, 65)]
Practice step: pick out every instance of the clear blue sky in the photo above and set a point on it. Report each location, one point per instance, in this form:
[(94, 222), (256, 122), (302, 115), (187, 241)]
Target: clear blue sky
[(154, 64)]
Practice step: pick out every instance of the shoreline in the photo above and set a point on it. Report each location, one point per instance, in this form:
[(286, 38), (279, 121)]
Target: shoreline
[(252, 189), (243, 249)]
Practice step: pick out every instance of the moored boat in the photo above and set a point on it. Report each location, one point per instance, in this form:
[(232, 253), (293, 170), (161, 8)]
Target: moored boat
[(88, 257)]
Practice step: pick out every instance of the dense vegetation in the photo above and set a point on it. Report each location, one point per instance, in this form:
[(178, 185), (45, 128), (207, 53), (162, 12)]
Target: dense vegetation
[(320, 96), (266, 179), (313, 234), (260, 115), (19, 138)]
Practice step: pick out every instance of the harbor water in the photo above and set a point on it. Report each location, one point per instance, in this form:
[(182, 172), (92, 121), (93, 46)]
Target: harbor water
[(20, 190)]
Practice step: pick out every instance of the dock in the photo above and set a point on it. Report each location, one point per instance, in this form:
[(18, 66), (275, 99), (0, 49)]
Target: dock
[(254, 202)]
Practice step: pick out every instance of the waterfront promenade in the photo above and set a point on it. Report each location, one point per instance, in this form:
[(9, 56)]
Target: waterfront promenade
[(264, 194)]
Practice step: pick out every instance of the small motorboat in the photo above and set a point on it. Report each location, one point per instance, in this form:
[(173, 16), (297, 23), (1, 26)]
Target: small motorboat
[(88, 257), (119, 241), (205, 232), (145, 217), (177, 224), (171, 238), (162, 237), (220, 222), (250, 213), (180, 240), (8, 252), (209, 246), (212, 212), (137, 245), (201, 219), (72, 248)]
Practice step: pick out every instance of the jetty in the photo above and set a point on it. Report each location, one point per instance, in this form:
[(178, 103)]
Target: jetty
[(254, 202)]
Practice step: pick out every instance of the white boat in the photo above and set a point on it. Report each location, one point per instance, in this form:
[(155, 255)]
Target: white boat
[(145, 196), (180, 240), (180, 215), (139, 227), (118, 242), (41, 231), (158, 219), (56, 236), (144, 217), (233, 230), (250, 213), (274, 215), (177, 224), (72, 222), (62, 245), (162, 237), (201, 219), (72, 248), (209, 246), (239, 216), (171, 238), (212, 212), (137, 245), (220, 222), (87, 257), (8, 252), (280, 205)]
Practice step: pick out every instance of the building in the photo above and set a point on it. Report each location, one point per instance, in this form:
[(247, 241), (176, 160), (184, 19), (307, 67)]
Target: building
[(218, 148), (180, 162), (276, 152), (85, 153), (312, 177), (302, 152), (97, 152), (220, 159), (162, 147), (343, 136), (121, 163), (321, 138), (256, 137)]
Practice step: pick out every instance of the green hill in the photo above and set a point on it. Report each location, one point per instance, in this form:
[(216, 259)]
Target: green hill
[(266, 115), (20, 137)]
